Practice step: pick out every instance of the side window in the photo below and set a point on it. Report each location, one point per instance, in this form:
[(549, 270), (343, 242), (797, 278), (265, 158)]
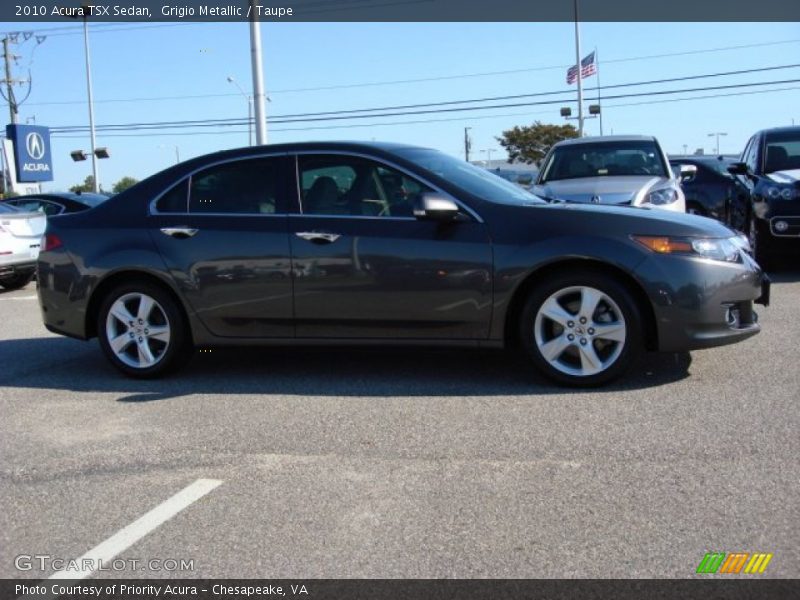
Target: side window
[(247, 186), (346, 185), (752, 155), (174, 201)]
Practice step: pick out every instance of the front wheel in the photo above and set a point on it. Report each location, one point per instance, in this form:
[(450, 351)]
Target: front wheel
[(581, 329), (142, 331)]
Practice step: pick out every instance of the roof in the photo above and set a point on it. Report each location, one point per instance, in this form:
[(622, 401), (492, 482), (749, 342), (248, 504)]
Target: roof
[(787, 129), (606, 138)]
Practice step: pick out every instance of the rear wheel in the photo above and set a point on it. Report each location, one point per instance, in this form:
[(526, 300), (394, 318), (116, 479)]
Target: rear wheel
[(16, 281), (582, 328), (142, 331)]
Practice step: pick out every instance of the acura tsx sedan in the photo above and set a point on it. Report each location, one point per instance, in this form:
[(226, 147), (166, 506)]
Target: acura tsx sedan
[(377, 243)]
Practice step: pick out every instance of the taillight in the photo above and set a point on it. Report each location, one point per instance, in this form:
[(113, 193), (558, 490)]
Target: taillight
[(51, 241)]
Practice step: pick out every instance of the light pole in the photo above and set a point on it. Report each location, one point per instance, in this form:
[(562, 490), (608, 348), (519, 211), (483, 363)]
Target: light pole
[(488, 152), (95, 173), (717, 134), (685, 149), (467, 143), (249, 109), (177, 152), (259, 96), (580, 74)]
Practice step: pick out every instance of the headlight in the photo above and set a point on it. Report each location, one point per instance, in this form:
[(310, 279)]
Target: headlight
[(724, 249), (666, 195), (774, 192)]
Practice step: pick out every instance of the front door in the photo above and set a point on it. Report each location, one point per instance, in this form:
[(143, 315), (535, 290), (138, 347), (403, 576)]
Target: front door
[(364, 267)]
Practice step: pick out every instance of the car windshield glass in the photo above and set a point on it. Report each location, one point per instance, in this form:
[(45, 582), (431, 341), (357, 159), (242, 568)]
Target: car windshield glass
[(5, 208), (783, 151), (475, 180), (602, 159), (92, 199)]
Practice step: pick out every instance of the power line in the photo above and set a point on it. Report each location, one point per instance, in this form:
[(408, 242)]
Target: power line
[(239, 121), (423, 121), (403, 81), (488, 99)]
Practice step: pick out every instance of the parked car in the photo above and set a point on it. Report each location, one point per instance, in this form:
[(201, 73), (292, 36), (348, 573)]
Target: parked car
[(770, 169), (523, 179), (616, 169), (711, 190), (20, 238), (375, 243), (56, 203)]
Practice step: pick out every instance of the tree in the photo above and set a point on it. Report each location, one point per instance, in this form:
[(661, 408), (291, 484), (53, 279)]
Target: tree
[(123, 184), (529, 144), (86, 186)]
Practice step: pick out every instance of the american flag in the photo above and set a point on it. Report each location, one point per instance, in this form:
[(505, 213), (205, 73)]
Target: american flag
[(588, 68)]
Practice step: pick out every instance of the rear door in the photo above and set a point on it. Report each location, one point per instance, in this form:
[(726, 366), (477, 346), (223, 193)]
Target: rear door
[(223, 235)]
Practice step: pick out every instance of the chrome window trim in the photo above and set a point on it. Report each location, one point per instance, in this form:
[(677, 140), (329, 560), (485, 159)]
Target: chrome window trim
[(385, 162), (151, 207)]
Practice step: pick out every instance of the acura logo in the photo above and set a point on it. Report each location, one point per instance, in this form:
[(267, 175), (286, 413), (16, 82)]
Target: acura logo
[(596, 199), (34, 143)]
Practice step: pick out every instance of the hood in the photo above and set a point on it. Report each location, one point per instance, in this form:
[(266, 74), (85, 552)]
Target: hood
[(788, 176), (608, 190)]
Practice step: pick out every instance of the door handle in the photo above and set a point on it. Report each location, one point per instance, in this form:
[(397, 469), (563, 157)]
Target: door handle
[(318, 237), (179, 232)]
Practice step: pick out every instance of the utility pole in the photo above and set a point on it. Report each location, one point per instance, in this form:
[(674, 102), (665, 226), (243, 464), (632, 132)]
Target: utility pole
[(258, 75), (467, 143), (9, 81), (578, 65)]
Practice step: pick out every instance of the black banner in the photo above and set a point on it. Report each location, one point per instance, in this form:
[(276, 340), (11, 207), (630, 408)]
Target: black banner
[(733, 588), (31, 11)]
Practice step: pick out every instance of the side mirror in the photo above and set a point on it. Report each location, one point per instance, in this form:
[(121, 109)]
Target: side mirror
[(738, 168), (435, 207), (687, 172)]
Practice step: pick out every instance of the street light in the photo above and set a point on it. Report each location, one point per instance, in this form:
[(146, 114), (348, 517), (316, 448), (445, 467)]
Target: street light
[(249, 109), (488, 152), (177, 152), (717, 134)]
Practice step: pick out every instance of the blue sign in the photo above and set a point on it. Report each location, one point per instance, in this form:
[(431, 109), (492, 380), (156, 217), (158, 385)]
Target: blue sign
[(31, 152)]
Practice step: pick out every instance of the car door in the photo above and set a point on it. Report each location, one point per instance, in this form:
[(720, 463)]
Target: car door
[(365, 267), (223, 235)]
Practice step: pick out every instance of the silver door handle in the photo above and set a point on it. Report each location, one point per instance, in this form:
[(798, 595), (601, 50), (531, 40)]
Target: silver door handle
[(179, 232), (318, 236)]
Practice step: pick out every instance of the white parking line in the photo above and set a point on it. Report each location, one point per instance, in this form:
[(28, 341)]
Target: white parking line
[(19, 298), (127, 536)]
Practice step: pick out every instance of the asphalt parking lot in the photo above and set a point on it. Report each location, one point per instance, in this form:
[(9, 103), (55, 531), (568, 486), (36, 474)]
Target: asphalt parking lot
[(421, 464)]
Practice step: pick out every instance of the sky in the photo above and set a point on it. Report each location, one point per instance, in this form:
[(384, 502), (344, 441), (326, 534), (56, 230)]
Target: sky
[(139, 70)]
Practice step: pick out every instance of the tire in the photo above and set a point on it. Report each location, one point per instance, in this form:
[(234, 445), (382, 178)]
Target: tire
[(139, 342), (605, 341), (758, 237), (17, 281)]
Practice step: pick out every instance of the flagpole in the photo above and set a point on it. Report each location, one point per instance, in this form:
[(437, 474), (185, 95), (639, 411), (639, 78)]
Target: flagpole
[(580, 78), (597, 69)]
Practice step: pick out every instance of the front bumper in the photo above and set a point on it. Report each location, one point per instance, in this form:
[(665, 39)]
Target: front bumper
[(702, 303)]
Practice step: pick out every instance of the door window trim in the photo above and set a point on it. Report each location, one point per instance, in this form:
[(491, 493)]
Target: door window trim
[(153, 211)]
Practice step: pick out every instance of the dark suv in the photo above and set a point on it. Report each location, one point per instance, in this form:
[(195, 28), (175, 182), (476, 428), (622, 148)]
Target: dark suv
[(770, 168)]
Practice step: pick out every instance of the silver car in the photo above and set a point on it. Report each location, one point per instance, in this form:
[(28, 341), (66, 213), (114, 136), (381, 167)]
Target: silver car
[(615, 169), (20, 238)]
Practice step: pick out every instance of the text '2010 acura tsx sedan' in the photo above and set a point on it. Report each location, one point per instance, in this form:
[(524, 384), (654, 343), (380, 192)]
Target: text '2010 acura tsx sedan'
[(372, 243)]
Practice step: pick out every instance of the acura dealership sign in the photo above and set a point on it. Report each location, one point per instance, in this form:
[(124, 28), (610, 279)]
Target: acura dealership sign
[(32, 156)]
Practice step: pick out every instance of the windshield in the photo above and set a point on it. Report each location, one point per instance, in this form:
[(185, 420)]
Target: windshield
[(7, 208), (783, 151), (601, 159), (475, 180)]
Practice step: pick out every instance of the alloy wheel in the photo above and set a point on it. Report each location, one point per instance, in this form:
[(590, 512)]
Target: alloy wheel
[(580, 331), (138, 330)]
